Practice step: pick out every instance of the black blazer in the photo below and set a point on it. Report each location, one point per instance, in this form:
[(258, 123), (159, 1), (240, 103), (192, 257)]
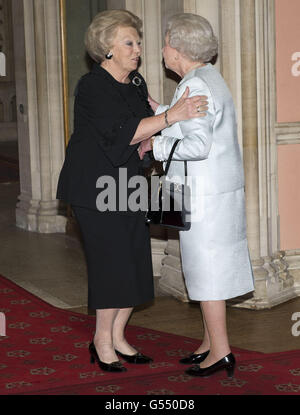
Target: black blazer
[(106, 116)]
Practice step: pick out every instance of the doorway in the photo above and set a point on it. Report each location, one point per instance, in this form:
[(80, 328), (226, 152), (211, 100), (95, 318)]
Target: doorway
[(9, 171)]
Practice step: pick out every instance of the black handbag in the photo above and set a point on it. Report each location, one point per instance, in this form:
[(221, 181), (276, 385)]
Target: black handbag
[(169, 202)]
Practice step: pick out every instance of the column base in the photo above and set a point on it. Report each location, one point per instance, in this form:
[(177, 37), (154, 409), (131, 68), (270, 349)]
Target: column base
[(158, 247), (292, 258), (172, 280), (274, 284), (277, 279), (31, 216)]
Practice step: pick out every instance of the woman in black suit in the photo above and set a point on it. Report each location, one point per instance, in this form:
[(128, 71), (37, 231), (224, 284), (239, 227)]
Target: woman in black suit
[(112, 116)]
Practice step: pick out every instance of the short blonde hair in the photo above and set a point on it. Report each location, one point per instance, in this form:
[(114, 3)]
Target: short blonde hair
[(100, 34), (193, 36)]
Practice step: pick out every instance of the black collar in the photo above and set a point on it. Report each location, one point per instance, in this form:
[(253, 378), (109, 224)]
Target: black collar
[(97, 69)]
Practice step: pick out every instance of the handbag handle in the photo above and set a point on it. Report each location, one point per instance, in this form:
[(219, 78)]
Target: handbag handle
[(170, 159)]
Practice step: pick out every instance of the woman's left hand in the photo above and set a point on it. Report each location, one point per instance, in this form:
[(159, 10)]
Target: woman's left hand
[(144, 147)]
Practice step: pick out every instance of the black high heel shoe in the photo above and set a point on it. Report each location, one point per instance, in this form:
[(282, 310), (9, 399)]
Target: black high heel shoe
[(194, 358), (137, 358), (227, 363), (107, 367)]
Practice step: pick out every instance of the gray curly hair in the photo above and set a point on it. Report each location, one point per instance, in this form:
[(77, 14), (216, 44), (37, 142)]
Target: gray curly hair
[(193, 36)]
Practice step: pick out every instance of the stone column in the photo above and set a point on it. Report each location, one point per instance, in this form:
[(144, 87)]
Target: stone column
[(249, 111), (152, 70), (40, 115), (252, 57), (230, 52), (250, 138)]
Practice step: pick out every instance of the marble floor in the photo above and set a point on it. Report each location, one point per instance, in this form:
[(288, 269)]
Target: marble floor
[(53, 268)]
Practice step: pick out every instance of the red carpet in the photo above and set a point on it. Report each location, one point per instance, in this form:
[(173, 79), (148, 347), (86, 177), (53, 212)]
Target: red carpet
[(45, 353), (9, 169)]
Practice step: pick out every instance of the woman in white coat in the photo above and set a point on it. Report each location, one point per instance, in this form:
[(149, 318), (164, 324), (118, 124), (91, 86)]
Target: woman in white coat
[(214, 252)]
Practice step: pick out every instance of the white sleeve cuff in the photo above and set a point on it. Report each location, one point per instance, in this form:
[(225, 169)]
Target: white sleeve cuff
[(159, 148)]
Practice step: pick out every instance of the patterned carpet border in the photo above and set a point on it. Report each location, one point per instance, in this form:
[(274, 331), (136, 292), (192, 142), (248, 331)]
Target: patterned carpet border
[(45, 352)]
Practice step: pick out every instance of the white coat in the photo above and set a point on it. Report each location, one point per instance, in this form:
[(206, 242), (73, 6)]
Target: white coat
[(214, 252)]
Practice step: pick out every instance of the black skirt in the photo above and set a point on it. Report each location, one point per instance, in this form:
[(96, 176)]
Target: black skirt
[(119, 261)]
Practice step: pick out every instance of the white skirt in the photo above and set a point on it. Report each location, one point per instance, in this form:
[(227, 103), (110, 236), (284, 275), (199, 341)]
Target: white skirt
[(214, 252)]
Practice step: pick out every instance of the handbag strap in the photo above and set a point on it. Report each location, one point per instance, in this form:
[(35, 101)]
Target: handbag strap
[(170, 159)]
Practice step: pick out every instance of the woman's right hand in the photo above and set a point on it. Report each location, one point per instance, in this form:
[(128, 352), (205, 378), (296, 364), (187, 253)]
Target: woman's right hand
[(184, 109), (187, 108)]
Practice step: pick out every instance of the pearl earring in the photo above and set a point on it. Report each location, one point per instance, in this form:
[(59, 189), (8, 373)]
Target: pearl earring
[(109, 55)]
